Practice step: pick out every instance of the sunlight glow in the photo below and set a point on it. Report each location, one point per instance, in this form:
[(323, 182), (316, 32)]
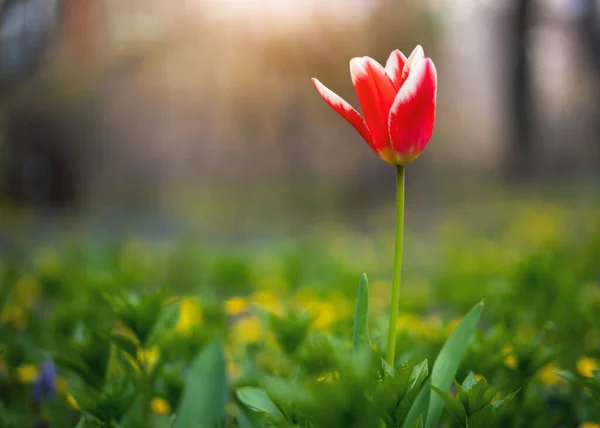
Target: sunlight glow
[(274, 13)]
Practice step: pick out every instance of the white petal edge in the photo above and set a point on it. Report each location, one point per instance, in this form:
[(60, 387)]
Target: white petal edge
[(394, 68), (333, 99), (416, 56), (344, 109), (358, 69), (414, 80)]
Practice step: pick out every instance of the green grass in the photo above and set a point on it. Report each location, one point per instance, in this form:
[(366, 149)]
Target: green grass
[(125, 318)]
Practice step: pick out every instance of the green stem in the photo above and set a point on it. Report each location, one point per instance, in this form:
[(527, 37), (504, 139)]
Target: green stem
[(391, 350), (145, 394)]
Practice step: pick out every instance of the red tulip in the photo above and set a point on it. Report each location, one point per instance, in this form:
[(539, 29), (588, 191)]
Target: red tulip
[(398, 104)]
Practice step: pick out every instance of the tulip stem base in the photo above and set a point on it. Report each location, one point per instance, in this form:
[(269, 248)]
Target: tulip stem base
[(395, 303)]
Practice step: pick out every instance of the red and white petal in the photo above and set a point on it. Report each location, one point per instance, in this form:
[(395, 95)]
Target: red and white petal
[(412, 115), (344, 109), (376, 94), (416, 56), (394, 67)]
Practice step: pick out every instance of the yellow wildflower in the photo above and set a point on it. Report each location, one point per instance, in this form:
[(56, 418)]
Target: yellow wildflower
[(235, 306), (26, 290), (147, 357), (326, 314), (233, 369), (426, 328), (268, 301), (71, 401), (478, 377), (547, 375), (160, 406), (27, 373), (327, 378), (408, 322), (13, 315), (586, 366), (248, 330), (190, 316), (589, 425), (510, 359)]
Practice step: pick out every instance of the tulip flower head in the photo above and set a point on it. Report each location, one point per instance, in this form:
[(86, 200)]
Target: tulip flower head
[(397, 101)]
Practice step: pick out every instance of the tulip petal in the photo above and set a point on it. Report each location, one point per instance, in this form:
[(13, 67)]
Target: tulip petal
[(412, 115), (376, 95), (394, 67), (415, 57), (344, 109)]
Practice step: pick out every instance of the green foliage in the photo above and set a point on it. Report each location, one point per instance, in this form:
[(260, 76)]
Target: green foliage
[(447, 362), (290, 331), (203, 400), (361, 317), (476, 405), (358, 394), (131, 330)]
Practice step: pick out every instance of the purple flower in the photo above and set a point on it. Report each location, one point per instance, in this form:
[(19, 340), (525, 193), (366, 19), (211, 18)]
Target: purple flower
[(43, 387)]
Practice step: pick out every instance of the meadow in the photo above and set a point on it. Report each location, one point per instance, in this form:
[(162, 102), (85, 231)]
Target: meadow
[(161, 331)]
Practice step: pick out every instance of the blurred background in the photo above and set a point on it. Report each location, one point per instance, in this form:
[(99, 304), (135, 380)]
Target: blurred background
[(203, 110), (180, 146)]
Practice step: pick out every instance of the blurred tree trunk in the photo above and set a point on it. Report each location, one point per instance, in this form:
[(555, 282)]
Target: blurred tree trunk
[(590, 30), (42, 169), (519, 90), (79, 22)]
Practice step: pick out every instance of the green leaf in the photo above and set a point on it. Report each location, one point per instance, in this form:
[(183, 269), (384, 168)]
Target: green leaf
[(243, 419), (483, 417), (419, 422), (419, 373), (454, 405), (283, 391), (361, 318), (125, 344), (73, 364), (291, 331), (256, 399), (568, 376), (418, 410), (161, 421), (204, 395), (489, 395), (463, 395), (469, 381), (417, 377), (166, 321), (387, 369), (477, 396), (500, 404), (448, 360)]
